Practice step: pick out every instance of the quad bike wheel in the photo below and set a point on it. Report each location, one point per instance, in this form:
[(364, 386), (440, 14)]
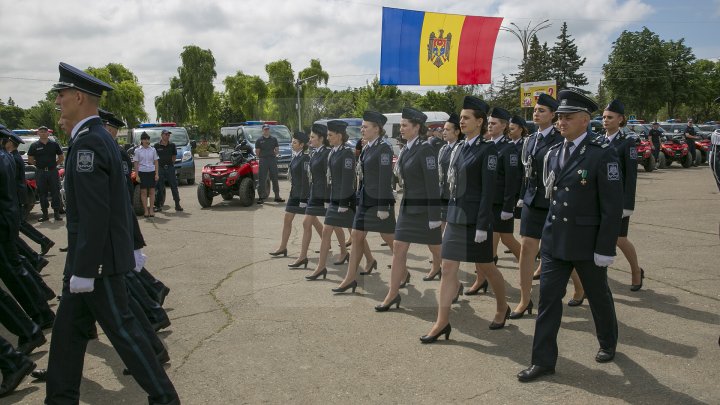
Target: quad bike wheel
[(662, 161), (138, 204), (203, 196), (246, 192), (687, 161), (650, 164)]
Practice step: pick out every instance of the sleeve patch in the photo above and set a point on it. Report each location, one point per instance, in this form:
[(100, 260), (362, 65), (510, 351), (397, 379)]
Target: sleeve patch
[(348, 163), (633, 153), (430, 162), (492, 162), (85, 161), (385, 159), (513, 160), (613, 172)]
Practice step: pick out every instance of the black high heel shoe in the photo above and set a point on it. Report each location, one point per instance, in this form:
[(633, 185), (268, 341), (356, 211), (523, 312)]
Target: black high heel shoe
[(483, 286), (322, 273), (407, 280), (345, 259), (495, 260), (303, 262), (278, 253), (494, 325), (460, 292), (636, 287), (576, 303), (383, 308), (437, 274), (372, 267), (518, 315), (352, 285), (432, 338)]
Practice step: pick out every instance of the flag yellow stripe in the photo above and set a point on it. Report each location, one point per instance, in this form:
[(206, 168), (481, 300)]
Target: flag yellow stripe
[(446, 74)]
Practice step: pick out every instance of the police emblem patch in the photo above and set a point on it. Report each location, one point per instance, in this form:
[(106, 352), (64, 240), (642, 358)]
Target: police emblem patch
[(513, 160), (633, 153), (613, 171), (385, 159), (430, 162), (85, 161), (492, 162), (348, 163)]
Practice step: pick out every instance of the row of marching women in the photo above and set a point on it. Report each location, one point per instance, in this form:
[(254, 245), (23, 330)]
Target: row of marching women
[(460, 196)]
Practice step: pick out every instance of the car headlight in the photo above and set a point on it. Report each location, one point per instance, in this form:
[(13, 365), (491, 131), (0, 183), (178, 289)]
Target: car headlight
[(187, 155), (233, 175)]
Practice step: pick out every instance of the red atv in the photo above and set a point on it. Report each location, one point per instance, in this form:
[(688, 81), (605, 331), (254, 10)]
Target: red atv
[(235, 174), (702, 147), (644, 154), (31, 193), (674, 149)]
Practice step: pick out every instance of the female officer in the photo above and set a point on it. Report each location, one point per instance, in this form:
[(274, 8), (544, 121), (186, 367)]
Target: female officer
[(341, 196), (518, 133), (145, 160), (453, 139), (375, 211), (419, 218), (613, 120), (468, 235), (299, 188)]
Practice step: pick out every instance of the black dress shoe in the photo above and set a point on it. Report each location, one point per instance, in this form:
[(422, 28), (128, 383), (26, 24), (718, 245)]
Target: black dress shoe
[(12, 380), (437, 274), (27, 346), (518, 315), (278, 253), (40, 374), (45, 322), (534, 372), (161, 325), (576, 303), (483, 286), (344, 259), (536, 277), (42, 262), (45, 246), (405, 283), (459, 293), (636, 287), (260, 201), (57, 216), (494, 325), (384, 308), (322, 273), (279, 200), (178, 207), (161, 296), (373, 266), (433, 338), (303, 262), (65, 249), (352, 285), (43, 218), (605, 355)]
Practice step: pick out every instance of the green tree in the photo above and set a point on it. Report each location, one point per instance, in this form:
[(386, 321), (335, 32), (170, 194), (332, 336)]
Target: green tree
[(334, 104), (127, 100), (537, 67), (196, 75), (565, 61), (679, 64), (171, 105), (281, 95), (383, 99), (602, 97), (11, 115), (636, 71), (436, 101), (705, 88), (244, 95), (42, 113)]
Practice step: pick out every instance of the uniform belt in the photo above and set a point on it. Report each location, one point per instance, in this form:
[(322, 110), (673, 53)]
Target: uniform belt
[(47, 169), (166, 166)]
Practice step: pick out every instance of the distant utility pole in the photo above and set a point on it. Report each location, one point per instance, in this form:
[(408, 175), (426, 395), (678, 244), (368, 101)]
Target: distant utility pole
[(298, 83), (525, 34)]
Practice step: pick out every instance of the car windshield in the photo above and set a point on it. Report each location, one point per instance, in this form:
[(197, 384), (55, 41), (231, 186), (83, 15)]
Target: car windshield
[(281, 132), (179, 136), (707, 128), (23, 147), (353, 132)]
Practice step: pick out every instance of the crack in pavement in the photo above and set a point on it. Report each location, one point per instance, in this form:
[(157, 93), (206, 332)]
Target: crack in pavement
[(674, 227), (678, 287)]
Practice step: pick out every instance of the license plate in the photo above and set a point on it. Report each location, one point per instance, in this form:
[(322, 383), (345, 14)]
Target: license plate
[(282, 166)]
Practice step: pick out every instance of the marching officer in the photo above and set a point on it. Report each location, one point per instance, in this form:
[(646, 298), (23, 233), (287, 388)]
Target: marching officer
[(453, 136), (435, 139), (267, 149), (100, 252), (46, 155), (584, 184)]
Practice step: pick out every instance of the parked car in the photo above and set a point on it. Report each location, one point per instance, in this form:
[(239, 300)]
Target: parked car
[(251, 131), (184, 163)]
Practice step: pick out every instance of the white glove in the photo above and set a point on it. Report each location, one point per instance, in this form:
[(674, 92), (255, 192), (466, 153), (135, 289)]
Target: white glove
[(326, 205), (603, 261), (303, 205), (81, 284), (140, 259), (434, 224), (519, 204), (342, 209), (383, 215), (480, 236), (627, 213), (506, 215)]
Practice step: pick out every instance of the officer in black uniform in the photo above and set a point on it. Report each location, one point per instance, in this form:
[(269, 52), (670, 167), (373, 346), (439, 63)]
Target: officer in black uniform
[(15, 366), (436, 140), (267, 149), (690, 138), (46, 155), (584, 183), (100, 252), (167, 152), (654, 137), (518, 121), (453, 138)]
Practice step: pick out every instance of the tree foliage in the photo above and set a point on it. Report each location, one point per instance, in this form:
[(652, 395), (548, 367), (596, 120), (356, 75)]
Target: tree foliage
[(196, 75), (679, 64), (565, 62), (244, 95), (127, 100)]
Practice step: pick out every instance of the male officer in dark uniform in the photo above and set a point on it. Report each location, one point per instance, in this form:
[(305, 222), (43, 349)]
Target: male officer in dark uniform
[(46, 155), (690, 138), (435, 140), (100, 252), (654, 137), (584, 183), (167, 152), (266, 149)]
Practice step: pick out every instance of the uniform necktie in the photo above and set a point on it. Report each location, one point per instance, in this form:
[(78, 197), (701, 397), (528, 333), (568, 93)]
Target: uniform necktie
[(566, 153)]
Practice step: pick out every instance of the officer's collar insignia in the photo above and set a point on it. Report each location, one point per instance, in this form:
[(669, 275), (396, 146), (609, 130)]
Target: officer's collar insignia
[(83, 131), (85, 161), (582, 150)]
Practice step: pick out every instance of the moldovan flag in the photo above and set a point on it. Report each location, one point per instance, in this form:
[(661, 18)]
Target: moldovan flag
[(420, 48)]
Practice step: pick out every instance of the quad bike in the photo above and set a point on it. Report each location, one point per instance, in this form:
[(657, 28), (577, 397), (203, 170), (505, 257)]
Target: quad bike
[(674, 150), (31, 193), (235, 175), (644, 155)]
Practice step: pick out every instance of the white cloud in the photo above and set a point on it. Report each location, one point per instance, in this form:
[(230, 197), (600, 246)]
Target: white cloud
[(148, 36)]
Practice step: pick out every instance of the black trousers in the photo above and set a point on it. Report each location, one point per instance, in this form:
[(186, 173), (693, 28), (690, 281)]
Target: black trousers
[(553, 282), (153, 286), (27, 252), (656, 151), (146, 326), (166, 173), (10, 359), (108, 305), (22, 285), (14, 319), (268, 166), (48, 182), (154, 312), (33, 234)]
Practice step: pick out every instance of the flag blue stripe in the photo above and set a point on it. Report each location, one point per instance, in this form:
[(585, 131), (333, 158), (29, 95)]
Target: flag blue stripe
[(400, 47)]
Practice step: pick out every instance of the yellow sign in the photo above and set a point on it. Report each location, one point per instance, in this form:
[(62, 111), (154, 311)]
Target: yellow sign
[(529, 92)]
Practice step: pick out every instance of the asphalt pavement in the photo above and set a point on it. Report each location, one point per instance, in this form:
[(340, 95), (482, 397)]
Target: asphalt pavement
[(246, 329)]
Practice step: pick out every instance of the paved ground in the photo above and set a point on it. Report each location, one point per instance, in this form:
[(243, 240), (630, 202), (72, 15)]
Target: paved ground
[(248, 330)]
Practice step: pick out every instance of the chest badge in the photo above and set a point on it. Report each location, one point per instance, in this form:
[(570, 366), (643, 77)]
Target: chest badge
[(583, 176)]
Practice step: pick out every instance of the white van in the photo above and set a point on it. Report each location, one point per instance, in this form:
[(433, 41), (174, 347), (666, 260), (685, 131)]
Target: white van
[(392, 126)]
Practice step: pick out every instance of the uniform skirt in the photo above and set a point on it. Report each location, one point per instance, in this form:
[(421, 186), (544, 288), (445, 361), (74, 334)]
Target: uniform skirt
[(341, 219), (147, 179), (624, 227), (293, 206), (532, 222), (444, 209), (316, 207), (366, 219), (413, 228), (458, 244), (500, 226)]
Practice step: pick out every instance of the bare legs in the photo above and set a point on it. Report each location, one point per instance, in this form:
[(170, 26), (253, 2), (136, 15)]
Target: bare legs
[(309, 222), (435, 250), (287, 227), (327, 232), (449, 285), (497, 282), (398, 269), (630, 254), (529, 248)]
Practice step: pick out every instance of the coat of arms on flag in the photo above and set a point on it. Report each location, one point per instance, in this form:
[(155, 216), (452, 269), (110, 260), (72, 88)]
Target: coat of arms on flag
[(439, 48)]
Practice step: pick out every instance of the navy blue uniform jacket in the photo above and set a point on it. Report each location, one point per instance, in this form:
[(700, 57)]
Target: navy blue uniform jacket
[(318, 172), (533, 191), (421, 188), (9, 209), (376, 188), (626, 150), (444, 162), (508, 172), (342, 171), (475, 173), (299, 182), (99, 217), (584, 216)]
